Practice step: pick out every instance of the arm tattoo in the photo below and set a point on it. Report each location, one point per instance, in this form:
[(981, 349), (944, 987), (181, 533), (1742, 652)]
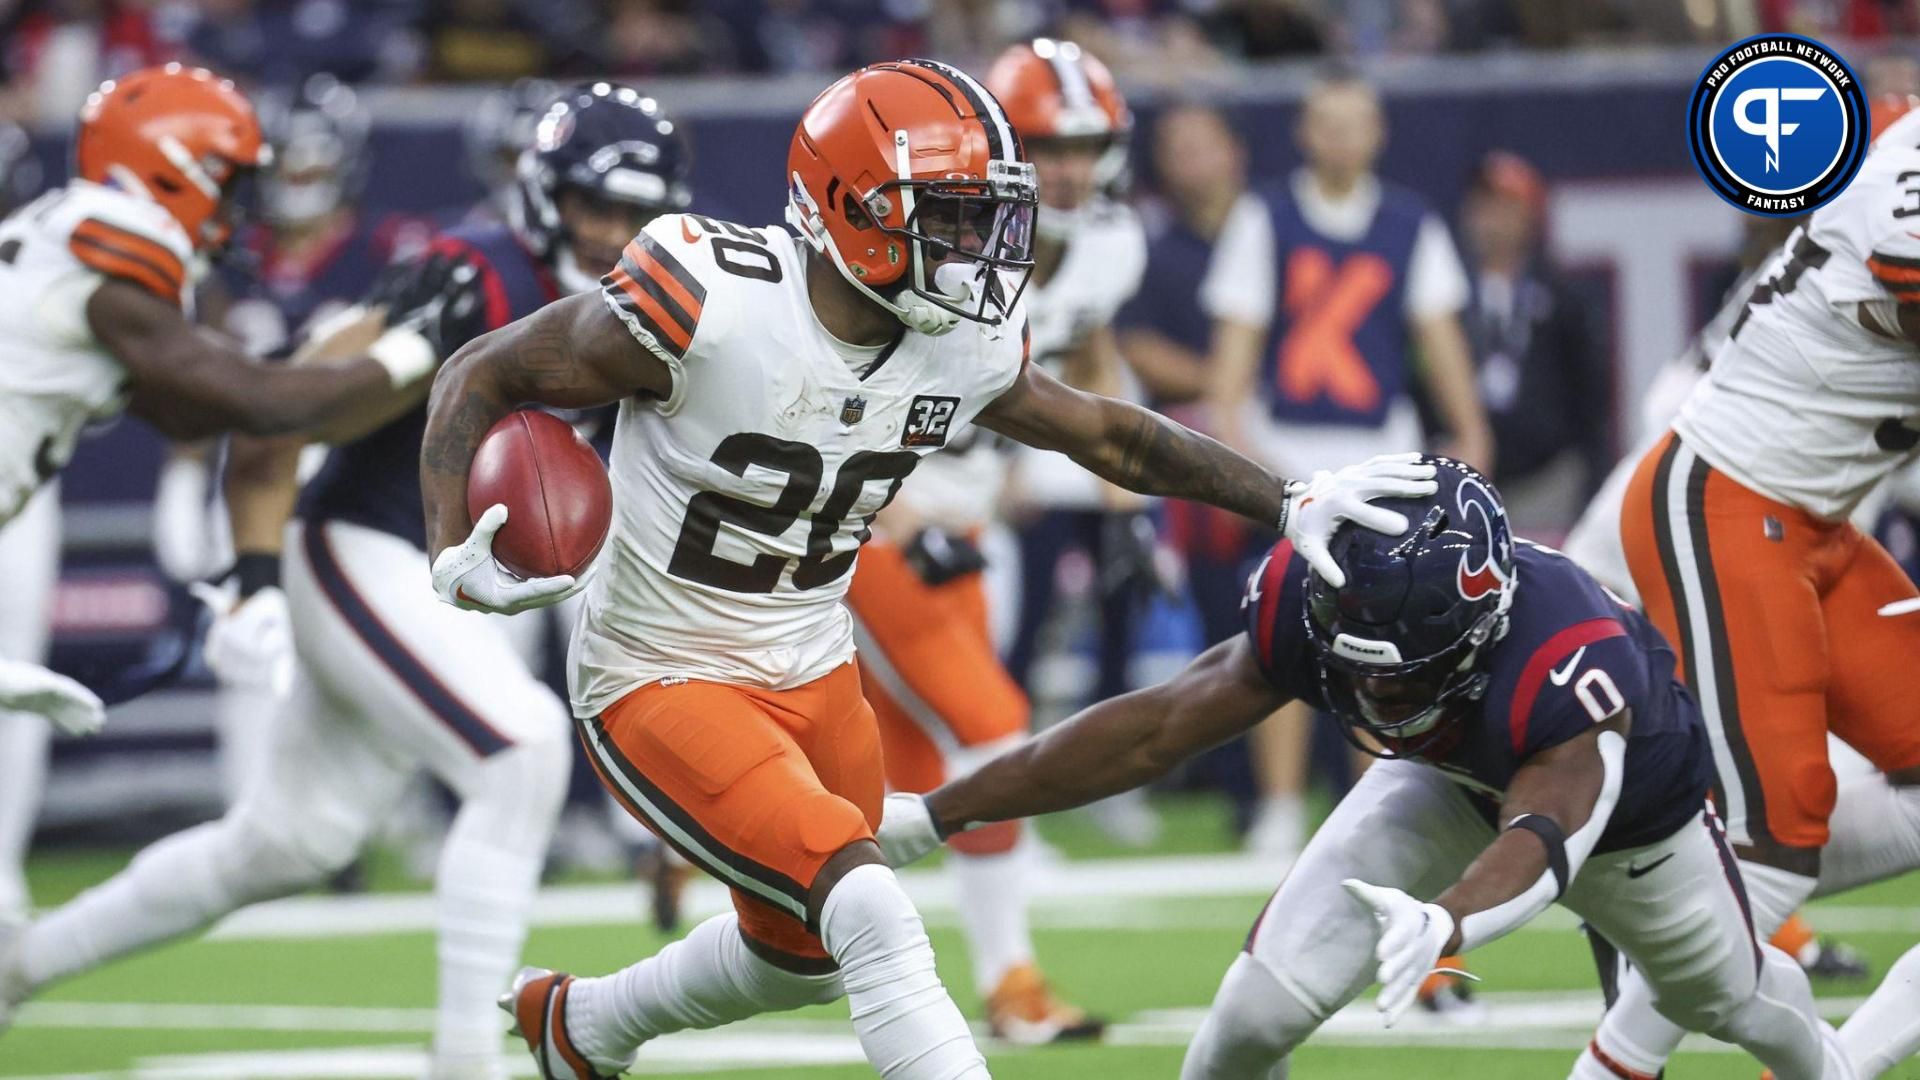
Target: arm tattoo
[(449, 449), (1156, 456)]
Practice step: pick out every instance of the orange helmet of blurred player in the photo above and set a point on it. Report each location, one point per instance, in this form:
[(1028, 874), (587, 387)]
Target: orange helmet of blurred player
[(181, 136), (1888, 108), (1056, 90), (908, 176)]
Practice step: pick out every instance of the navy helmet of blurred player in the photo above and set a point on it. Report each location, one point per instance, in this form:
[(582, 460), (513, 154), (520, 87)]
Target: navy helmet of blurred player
[(1407, 641), (613, 156), (498, 130), (20, 172), (319, 136)]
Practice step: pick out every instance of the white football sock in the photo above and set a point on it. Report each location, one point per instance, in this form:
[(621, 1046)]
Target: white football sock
[(708, 978), (1886, 1029), (488, 874), (908, 1026), (482, 894), (23, 773), (1876, 834), (990, 891), (1279, 826)]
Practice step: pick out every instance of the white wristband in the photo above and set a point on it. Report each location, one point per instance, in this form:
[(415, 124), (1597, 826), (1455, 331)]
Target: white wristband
[(406, 355)]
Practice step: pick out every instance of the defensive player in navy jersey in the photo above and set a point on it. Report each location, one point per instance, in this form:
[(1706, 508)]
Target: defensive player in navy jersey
[(1538, 748), (390, 681)]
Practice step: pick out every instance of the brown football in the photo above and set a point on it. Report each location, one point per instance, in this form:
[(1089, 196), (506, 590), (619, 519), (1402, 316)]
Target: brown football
[(559, 501)]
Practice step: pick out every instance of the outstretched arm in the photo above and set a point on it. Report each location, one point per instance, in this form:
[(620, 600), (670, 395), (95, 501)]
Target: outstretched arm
[(1147, 453), (1133, 447), (191, 383), (1116, 745), (573, 353)]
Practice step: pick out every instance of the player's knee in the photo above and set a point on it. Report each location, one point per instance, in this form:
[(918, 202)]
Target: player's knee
[(872, 930), (1254, 1022), (527, 780), (261, 858)]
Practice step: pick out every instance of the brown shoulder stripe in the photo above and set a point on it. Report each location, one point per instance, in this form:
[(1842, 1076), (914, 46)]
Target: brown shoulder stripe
[(120, 253)]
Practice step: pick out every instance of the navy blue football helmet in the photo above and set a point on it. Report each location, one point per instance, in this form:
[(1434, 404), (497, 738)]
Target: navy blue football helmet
[(320, 155), (605, 140), (1404, 646)]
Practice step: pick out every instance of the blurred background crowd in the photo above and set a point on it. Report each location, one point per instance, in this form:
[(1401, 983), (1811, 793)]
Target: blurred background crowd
[(1570, 259), (56, 50)]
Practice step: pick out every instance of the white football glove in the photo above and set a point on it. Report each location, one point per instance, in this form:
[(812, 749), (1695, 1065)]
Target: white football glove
[(1316, 508), (1412, 937), (67, 705), (467, 576), (250, 644), (907, 831)]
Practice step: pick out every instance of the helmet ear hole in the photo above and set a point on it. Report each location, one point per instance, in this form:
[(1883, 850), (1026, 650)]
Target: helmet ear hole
[(165, 184), (855, 213)]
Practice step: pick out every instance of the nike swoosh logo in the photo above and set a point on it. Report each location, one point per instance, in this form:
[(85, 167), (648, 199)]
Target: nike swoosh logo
[(686, 230), (1642, 871), (1561, 674)]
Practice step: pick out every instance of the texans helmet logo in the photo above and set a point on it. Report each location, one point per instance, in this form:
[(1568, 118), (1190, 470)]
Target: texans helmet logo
[(1490, 576)]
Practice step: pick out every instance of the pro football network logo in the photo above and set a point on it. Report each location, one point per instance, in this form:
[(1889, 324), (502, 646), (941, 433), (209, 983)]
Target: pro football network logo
[(1778, 124)]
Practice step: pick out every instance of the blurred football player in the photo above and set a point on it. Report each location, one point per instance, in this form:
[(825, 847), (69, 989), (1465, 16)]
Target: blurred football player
[(1538, 748), (1322, 291), (391, 682), (1089, 254), (775, 388), (29, 566), (496, 133), (99, 274), (927, 657), (1788, 618)]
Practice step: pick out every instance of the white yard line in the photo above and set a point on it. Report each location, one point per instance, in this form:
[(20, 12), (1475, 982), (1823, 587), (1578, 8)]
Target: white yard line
[(1134, 894)]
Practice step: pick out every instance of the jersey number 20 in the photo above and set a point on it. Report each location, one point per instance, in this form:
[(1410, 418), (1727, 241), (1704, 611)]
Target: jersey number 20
[(693, 555)]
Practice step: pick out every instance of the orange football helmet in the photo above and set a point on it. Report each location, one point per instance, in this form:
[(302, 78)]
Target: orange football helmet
[(1055, 90), (908, 176), (181, 136)]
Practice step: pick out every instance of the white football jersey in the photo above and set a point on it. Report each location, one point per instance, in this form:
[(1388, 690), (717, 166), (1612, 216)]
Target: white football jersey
[(1100, 272), (1802, 403), (54, 376), (741, 500)]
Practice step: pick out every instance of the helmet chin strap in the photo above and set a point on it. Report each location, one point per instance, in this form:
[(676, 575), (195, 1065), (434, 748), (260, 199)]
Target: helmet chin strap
[(573, 277)]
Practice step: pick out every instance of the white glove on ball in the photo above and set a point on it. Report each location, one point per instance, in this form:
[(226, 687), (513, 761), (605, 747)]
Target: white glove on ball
[(468, 577)]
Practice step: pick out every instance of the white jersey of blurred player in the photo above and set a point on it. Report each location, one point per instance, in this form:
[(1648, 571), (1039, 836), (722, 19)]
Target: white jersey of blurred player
[(54, 380), (1805, 405), (1106, 258), (717, 615)]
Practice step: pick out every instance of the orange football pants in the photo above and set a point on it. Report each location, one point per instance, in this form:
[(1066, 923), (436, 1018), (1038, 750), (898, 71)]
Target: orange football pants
[(1774, 614), (935, 681), (757, 787)]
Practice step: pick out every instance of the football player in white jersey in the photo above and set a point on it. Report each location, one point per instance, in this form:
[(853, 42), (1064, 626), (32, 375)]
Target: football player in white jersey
[(774, 390), (1090, 252), (95, 280), (919, 598), (1791, 622)]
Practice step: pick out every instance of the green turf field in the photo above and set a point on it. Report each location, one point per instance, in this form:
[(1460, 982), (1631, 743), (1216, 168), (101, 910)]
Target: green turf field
[(323, 988)]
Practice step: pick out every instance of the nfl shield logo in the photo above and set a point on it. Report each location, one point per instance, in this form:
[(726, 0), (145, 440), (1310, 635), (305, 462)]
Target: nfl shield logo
[(852, 409)]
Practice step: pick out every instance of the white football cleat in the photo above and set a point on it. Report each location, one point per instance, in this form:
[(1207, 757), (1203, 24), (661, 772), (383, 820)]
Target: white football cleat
[(538, 1004)]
